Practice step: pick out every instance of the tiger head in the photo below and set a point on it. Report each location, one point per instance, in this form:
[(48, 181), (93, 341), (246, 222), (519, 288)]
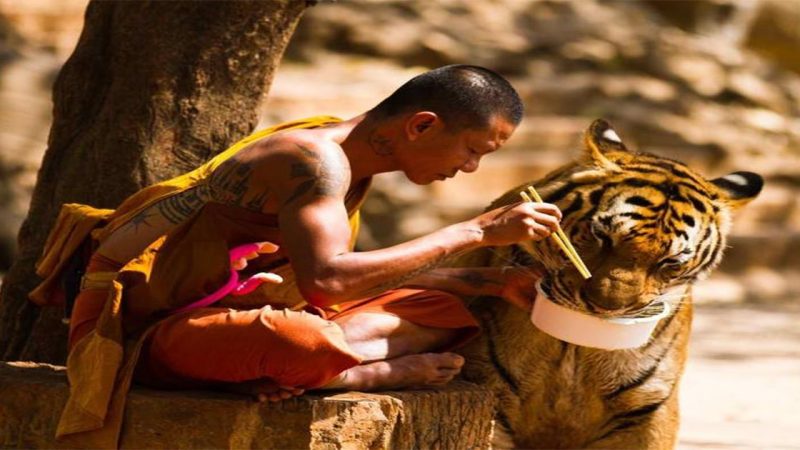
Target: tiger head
[(643, 224)]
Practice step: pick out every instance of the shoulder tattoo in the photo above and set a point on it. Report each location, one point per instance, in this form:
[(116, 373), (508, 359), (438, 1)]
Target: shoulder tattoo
[(319, 174)]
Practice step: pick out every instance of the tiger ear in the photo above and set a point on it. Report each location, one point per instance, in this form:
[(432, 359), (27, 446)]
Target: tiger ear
[(739, 188), (600, 139)]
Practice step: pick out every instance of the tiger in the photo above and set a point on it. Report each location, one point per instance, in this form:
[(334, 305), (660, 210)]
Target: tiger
[(647, 227)]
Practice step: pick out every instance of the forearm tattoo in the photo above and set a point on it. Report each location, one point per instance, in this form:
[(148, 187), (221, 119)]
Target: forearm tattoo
[(233, 184), (321, 174), (139, 220), (402, 279), (471, 278), (179, 207)]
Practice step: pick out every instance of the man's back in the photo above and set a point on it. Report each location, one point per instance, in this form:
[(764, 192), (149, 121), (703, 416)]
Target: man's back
[(248, 179)]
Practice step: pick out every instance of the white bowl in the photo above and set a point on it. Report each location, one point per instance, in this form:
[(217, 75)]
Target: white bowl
[(591, 331)]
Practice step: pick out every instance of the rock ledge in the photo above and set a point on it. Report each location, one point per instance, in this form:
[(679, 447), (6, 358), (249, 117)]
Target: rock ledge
[(458, 416)]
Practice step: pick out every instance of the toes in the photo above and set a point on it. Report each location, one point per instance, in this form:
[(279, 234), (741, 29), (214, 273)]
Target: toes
[(441, 380), (449, 372), (279, 394), (451, 360), (293, 391)]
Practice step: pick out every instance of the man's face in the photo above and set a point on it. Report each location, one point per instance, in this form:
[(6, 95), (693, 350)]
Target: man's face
[(438, 153)]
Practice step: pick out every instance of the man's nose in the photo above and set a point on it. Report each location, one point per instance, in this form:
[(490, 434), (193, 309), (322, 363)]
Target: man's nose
[(471, 165)]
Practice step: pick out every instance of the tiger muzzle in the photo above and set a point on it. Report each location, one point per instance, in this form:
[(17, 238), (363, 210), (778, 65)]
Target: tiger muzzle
[(614, 291)]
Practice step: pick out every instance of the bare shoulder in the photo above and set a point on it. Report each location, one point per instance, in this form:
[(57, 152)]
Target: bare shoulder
[(281, 169), (314, 168)]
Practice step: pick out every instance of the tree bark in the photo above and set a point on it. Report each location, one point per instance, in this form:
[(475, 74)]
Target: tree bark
[(152, 90)]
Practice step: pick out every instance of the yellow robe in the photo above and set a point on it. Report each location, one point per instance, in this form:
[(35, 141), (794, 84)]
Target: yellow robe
[(188, 263)]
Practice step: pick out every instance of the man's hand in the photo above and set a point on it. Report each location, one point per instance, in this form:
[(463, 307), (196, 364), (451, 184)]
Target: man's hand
[(239, 260), (518, 222), (519, 285), (239, 257)]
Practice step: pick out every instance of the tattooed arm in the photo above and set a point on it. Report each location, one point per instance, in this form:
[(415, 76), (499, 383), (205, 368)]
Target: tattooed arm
[(316, 234), (234, 182), (516, 285), (131, 238), (471, 281)]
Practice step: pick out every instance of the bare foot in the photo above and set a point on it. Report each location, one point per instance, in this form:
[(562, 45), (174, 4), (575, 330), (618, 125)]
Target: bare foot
[(264, 390), (427, 369)]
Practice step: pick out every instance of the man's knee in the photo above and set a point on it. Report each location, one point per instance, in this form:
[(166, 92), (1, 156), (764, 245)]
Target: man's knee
[(313, 350), (293, 348)]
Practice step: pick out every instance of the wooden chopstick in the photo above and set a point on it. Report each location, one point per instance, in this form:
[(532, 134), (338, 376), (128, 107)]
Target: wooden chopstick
[(561, 239), (563, 236)]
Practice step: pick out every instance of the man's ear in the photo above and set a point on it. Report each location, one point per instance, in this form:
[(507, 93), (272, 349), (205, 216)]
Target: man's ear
[(420, 123), (739, 188), (599, 140)]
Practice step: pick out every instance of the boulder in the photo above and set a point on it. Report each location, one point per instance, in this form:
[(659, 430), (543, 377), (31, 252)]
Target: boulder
[(457, 416)]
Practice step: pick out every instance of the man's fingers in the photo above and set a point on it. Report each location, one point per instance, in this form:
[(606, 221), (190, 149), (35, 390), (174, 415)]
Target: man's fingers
[(538, 231), (239, 264), (250, 251), (264, 248), (243, 253), (255, 281), (268, 277), (267, 247), (548, 208), (549, 221)]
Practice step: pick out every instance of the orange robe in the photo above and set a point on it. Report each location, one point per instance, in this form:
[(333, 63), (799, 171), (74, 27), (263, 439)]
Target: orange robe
[(122, 328)]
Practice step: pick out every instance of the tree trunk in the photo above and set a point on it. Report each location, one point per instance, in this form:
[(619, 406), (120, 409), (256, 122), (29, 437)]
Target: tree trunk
[(152, 90)]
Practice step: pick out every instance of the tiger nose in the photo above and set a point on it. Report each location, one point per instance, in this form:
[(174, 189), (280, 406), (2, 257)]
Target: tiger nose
[(613, 294)]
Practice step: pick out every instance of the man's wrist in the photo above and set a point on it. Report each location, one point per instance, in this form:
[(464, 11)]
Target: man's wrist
[(471, 233)]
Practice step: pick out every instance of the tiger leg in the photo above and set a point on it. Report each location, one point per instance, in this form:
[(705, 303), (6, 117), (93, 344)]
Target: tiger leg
[(657, 430)]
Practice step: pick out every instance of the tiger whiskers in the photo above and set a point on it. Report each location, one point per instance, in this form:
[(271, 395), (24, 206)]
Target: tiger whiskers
[(655, 306)]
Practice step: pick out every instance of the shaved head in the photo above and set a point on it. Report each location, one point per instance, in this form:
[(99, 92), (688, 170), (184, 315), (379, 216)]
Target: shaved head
[(462, 96)]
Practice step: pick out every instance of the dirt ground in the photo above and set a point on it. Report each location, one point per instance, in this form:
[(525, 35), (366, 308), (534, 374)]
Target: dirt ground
[(741, 389)]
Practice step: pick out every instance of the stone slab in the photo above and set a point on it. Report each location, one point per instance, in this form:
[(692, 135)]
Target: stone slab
[(456, 416)]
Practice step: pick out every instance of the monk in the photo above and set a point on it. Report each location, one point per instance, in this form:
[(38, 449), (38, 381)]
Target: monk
[(342, 319)]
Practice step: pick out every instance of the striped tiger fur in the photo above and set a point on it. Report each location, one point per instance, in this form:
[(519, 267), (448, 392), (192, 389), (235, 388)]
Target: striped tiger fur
[(647, 227)]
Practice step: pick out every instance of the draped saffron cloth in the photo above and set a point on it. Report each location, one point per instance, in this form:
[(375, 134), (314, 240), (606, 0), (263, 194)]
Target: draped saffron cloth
[(123, 327)]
